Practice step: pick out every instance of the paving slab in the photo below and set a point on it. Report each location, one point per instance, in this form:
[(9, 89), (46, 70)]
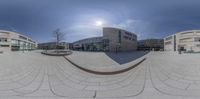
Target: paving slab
[(163, 75)]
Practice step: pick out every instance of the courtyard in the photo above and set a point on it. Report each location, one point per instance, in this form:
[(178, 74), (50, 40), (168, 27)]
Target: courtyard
[(140, 75)]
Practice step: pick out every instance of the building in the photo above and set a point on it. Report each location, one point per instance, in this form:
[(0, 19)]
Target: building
[(89, 44), (186, 41), (170, 43), (119, 40), (151, 44), (12, 41), (113, 39), (53, 45)]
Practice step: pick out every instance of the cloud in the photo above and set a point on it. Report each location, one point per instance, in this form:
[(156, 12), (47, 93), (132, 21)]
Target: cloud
[(128, 24), (81, 31), (85, 30)]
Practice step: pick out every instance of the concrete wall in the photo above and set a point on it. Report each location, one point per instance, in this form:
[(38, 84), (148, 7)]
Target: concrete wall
[(10, 36), (189, 40), (169, 43), (126, 42)]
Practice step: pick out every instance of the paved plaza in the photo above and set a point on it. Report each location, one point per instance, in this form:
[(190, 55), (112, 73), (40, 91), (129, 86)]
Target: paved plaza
[(162, 75)]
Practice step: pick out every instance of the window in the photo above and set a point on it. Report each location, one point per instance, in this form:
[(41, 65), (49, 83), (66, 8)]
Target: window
[(129, 34), (186, 40), (168, 38), (22, 37), (167, 43), (197, 39), (198, 45), (119, 37), (4, 33), (127, 38), (13, 41), (133, 39), (30, 40), (187, 33), (4, 45), (3, 40)]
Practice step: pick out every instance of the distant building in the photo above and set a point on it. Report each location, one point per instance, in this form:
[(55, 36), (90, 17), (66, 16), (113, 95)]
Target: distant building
[(186, 40), (12, 41), (52, 45), (89, 44), (113, 39), (151, 44)]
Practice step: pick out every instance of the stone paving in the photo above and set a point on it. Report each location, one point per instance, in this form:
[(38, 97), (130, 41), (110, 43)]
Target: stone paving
[(105, 62), (162, 75)]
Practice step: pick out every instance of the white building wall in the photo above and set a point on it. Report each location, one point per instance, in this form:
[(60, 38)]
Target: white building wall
[(10, 36), (169, 46), (189, 40)]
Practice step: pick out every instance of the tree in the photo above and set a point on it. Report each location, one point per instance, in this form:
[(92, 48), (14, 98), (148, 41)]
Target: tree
[(59, 36)]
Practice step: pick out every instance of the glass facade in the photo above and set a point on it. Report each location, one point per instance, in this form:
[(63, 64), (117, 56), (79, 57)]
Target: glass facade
[(21, 45), (15, 41), (92, 44), (3, 40)]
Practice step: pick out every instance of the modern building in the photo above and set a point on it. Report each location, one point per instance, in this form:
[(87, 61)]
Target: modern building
[(53, 45), (151, 44), (113, 39), (90, 44), (12, 41), (186, 40), (119, 39), (170, 43)]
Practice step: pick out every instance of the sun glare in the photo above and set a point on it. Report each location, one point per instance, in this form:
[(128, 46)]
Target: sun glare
[(99, 23)]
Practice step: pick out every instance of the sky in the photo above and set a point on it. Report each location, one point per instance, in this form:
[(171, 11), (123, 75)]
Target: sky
[(77, 18)]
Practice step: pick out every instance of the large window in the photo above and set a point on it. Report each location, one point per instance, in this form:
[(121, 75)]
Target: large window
[(187, 33), (5, 45), (129, 34), (183, 40), (197, 39), (127, 37), (120, 34), (3, 40), (15, 42), (198, 45), (22, 37)]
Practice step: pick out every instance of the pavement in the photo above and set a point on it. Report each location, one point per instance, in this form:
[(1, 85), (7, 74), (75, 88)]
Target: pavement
[(106, 62), (162, 75)]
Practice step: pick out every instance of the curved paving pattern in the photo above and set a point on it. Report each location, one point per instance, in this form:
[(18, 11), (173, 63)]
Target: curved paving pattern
[(162, 75), (179, 75), (105, 71), (35, 75), (87, 85)]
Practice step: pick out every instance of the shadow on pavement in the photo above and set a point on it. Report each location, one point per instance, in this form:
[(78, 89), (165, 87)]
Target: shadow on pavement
[(125, 57)]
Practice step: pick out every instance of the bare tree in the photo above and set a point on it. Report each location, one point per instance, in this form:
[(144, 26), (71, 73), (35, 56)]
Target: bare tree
[(59, 36)]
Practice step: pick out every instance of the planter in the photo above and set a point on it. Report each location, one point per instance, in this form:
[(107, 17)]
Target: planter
[(57, 53)]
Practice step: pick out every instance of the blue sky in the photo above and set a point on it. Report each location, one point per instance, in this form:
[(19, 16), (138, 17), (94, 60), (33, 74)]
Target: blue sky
[(76, 18)]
